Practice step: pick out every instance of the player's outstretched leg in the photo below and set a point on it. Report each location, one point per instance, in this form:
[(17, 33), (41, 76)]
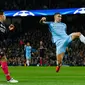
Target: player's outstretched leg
[(78, 35), (59, 61), (4, 67)]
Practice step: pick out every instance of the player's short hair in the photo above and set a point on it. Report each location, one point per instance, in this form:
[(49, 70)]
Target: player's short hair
[(57, 13), (27, 42), (1, 12)]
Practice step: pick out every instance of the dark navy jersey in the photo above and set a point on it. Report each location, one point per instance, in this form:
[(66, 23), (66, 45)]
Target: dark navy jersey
[(3, 35), (2, 28), (3, 31)]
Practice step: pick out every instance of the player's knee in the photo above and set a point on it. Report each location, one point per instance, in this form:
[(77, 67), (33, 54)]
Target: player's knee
[(79, 33)]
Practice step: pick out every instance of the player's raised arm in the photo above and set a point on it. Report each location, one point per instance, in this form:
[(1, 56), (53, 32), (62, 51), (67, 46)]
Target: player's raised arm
[(43, 20)]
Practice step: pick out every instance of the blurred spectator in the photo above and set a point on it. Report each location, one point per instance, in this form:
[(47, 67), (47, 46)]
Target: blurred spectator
[(42, 4)]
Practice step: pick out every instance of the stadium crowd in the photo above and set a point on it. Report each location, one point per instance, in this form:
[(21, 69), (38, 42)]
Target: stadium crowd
[(42, 4), (16, 53), (15, 46), (75, 55)]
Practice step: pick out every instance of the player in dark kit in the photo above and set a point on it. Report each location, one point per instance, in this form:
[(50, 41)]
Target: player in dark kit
[(42, 50), (3, 59)]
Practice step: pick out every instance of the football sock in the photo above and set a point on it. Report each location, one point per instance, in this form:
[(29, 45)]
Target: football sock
[(4, 67), (27, 62), (82, 38)]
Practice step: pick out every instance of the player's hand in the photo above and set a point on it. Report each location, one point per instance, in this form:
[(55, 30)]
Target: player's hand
[(42, 19), (11, 27)]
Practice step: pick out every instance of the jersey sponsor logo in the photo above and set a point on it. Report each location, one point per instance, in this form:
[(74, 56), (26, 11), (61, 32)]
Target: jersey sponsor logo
[(24, 13)]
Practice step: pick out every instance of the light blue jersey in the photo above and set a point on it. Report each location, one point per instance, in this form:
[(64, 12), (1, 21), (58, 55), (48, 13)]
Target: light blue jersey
[(59, 36), (28, 52)]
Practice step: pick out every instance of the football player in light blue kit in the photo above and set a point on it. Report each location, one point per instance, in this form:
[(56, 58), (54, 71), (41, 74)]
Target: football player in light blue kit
[(60, 37), (28, 53)]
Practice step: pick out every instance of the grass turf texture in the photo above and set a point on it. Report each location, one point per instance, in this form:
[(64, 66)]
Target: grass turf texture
[(45, 76)]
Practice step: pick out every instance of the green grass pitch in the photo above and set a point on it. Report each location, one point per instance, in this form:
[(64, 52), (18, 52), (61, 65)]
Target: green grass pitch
[(45, 76)]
